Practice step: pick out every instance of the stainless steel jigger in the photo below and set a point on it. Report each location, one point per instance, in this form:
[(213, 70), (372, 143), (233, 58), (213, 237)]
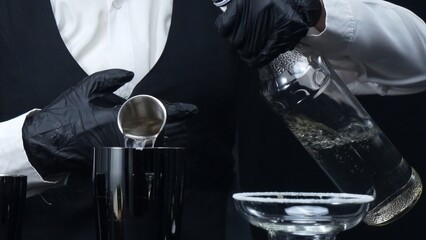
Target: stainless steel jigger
[(142, 118)]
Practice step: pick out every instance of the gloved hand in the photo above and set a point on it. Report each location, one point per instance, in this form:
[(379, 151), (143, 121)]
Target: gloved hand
[(262, 29), (175, 131), (61, 136)]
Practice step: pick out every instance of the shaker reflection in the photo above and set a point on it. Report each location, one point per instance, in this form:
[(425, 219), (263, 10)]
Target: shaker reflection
[(13, 189), (138, 193)]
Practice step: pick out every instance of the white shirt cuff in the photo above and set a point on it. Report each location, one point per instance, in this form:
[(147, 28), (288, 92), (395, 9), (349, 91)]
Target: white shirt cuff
[(13, 158)]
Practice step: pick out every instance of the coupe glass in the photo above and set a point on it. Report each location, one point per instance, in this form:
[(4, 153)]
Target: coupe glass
[(302, 215)]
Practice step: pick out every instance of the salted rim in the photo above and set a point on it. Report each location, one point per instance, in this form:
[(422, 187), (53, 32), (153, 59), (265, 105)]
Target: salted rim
[(336, 198)]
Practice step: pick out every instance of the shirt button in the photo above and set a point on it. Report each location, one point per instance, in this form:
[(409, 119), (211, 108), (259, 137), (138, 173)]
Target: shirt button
[(117, 3)]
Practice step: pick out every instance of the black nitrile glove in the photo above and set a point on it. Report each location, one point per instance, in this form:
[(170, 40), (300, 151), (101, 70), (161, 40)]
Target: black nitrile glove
[(61, 136), (262, 29), (175, 131)]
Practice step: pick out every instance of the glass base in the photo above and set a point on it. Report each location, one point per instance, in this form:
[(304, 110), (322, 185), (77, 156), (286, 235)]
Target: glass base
[(286, 236), (394, 208)]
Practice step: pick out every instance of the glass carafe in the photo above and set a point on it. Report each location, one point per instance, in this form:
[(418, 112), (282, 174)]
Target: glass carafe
[(339, 134)]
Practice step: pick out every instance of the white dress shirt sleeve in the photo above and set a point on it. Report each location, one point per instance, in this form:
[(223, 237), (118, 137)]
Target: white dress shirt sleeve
[(375, 47), (14, 161)]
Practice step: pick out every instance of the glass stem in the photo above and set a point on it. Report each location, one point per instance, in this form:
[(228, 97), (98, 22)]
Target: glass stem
[(277, 235)]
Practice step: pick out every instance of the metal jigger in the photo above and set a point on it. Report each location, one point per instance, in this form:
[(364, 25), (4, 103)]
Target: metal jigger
[(141, 118)]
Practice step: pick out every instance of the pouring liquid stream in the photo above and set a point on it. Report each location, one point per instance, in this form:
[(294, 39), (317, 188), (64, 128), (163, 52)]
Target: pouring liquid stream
[(142, 133), (139, 143)]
